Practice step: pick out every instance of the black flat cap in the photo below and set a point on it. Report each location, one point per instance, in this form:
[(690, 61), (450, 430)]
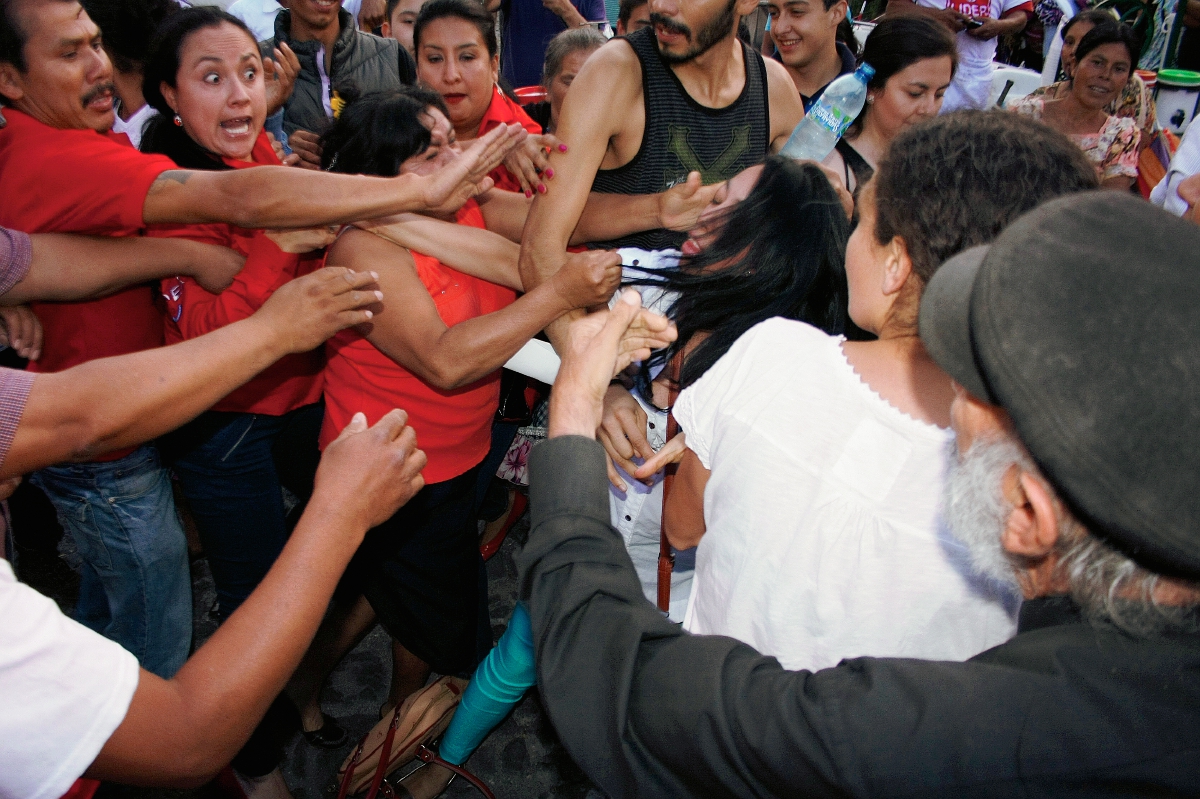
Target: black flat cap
[(1082, 321)]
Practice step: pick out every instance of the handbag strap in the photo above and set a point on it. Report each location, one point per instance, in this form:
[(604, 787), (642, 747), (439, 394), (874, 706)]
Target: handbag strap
[(385, 754), (427, 755), (666, 558), (344, 789)]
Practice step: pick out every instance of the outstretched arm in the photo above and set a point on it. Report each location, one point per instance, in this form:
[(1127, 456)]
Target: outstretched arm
[(282, 197), (413, 334), (66, 268), (183, 730), (117, 402)]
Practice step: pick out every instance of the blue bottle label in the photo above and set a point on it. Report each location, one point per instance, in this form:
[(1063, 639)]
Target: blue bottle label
[(830, 118)]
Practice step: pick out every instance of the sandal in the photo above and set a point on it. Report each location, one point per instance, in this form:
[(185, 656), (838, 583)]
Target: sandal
[(330, 735), (496, 531)]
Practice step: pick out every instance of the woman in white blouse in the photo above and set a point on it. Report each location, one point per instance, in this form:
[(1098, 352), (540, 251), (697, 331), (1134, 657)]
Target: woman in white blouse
[(816, 464)]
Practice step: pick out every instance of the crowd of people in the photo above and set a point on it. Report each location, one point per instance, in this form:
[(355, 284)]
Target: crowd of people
[(874, 476)]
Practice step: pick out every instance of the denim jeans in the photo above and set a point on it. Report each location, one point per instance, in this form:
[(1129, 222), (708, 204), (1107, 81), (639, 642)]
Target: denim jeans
[(135, 587), (231, 467)]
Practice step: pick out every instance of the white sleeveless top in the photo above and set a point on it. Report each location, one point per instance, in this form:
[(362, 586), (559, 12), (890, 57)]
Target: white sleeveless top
[(824, 537)]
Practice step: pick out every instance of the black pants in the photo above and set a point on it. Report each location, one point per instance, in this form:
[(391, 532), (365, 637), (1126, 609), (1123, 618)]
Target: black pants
[(422, 573)]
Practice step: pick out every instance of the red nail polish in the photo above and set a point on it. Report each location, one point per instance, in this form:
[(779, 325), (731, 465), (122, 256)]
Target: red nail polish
[(562, 148), (528, 194), (549, 172), (542, 188)]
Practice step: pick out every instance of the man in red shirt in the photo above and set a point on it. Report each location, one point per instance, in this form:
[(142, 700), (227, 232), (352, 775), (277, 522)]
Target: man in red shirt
[(61, 172)]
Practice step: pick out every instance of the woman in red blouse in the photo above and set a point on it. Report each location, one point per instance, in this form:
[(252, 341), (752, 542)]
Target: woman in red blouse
[(436, 353), (205, 78)]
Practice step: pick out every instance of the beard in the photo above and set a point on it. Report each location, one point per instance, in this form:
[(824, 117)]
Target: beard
[(714, 31), (975, 508)]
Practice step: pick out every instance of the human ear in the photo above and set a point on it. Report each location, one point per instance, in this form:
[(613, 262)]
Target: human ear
[(897, 266), (169, 94), (385, 29), (1031, 530), (11, 86), (746, 7)]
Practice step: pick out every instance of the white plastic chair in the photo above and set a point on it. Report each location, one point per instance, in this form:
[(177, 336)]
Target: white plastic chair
[(1024, 81)]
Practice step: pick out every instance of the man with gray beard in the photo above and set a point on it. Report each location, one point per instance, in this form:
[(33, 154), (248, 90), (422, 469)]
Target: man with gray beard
[(1074, 344)]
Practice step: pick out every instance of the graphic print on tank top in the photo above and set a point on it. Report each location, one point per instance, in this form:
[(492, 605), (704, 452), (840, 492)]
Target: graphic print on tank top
[(683, 136)]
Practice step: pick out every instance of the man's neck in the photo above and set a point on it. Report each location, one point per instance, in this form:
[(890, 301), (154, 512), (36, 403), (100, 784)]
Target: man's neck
[(129, 90), (817, 74), (302, 32), (716, 77)]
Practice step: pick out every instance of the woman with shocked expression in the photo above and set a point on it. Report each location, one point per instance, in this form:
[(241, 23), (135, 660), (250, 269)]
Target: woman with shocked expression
[(204, 76)]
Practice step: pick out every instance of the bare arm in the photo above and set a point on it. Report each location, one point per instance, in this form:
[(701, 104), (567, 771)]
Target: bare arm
[(182, 731), (67, 268), (683, 512), (117, 402), (787, 109), (415, 336), (284, 197), (608, 80), (472, 251), (606, 216)]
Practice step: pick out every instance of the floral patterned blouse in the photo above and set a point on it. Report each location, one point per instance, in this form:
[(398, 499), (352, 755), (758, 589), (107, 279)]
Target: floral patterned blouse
[(1113, 149), (1135, 103)]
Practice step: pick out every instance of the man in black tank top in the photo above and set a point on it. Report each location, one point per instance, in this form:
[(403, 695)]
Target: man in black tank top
[(683, 100)]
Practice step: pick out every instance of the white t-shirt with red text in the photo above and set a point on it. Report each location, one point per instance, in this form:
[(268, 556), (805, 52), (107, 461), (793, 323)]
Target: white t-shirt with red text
[(973, 80)]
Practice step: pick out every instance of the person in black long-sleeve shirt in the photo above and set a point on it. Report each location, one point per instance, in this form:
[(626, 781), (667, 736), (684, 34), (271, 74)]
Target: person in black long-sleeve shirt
[(1098, 694)]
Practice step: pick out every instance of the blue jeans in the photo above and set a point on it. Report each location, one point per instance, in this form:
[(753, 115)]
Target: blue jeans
[(135, 587), (231, 467)]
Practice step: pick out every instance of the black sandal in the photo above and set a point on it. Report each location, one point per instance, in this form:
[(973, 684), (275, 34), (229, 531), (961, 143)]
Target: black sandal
[(330, 735)]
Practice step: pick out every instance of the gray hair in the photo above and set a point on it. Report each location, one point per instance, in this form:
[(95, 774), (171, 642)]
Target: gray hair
[(1108, 586), (569, 41)]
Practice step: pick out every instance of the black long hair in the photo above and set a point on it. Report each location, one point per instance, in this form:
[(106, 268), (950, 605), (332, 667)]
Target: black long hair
[(162, 135), (896, 43), (779, 252), (1109, 33), (377, 132)]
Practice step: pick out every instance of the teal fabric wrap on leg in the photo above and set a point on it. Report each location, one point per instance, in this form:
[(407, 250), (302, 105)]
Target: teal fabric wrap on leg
[(497, 685)]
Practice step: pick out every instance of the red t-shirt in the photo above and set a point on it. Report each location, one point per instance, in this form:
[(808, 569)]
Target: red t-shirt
[(454, 428), (294, 380), (80, 181), (501, 109)]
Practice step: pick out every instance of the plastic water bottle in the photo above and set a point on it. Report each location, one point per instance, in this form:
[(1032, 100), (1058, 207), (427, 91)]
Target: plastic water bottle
[(827, 120)]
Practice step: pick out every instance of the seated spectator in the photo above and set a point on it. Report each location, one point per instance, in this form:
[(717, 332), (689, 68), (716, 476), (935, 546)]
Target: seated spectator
[(1135, 101), (1096, 694), (315, 30), (564, 58), (457, 57), (1184, 164), (632, 15), (398, 25), (815, 465), (128, 26), (438, 353), (1103, 62), (224, 459), (914, 60)]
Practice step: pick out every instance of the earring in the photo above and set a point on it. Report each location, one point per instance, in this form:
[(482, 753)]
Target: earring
[(870, 99), (179, 122)]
